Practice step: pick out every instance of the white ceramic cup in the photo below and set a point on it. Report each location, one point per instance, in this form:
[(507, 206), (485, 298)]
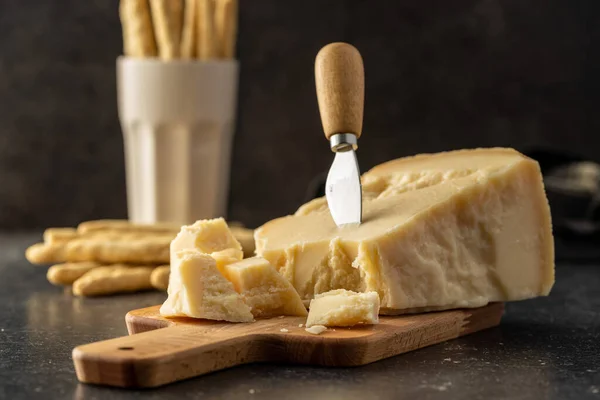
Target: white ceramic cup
[(178, 120)]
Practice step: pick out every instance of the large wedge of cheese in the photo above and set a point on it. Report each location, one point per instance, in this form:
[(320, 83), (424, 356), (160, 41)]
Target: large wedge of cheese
[(264, 289), (439, 231), (197, 289)]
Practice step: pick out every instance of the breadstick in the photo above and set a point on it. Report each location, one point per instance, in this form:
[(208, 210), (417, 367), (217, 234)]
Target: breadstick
[(113, 279), (42, 253), (206, 30), (165, 28), (226, 22), (160, 277), (100, 224), (138, 38), (59, 235), (123, 225), (128, 248), (66, 274), (64, 235), (189, 30), (177, 15)]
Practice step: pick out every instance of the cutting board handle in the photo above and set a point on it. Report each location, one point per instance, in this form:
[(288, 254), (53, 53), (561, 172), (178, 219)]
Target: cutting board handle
[(162, 356), (340, 82)]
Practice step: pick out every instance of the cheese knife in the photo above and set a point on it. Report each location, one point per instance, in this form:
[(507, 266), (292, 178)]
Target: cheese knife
[(340, 83)]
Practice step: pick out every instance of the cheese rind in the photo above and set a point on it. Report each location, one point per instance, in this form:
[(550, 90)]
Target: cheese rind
[(447, 230), (198, 290), (267, 292), (343, 308)]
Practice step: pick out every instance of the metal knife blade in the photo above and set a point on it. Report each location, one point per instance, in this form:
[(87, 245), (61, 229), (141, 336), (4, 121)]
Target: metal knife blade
[(343, 189)]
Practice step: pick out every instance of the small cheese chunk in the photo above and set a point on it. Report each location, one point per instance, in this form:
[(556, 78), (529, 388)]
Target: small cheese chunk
[(212, 237), (207, 236), (225, 257), (197, 289), (267, 292), (439, 231), (316, 329), (343, 308)]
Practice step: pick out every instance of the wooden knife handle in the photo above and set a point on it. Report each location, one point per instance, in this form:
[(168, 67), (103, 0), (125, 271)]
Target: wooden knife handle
[(340, 81)]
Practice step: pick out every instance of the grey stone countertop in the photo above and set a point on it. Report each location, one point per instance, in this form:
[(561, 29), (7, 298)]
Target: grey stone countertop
[(547, 348)]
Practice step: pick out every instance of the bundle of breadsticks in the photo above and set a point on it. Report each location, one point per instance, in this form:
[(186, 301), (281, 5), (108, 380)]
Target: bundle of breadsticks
[(105, 257), (171, 29)]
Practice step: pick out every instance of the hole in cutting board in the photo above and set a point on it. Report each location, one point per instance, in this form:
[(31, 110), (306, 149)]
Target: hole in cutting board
[(125, 348)]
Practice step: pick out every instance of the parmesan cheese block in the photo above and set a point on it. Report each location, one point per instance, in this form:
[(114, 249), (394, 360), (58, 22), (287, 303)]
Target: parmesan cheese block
[(197, 289), (207, 236), (439, 231), (264, 289), (343, 308)]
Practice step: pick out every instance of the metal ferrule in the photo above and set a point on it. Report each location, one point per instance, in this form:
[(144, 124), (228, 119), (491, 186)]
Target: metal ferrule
[(341, 142)]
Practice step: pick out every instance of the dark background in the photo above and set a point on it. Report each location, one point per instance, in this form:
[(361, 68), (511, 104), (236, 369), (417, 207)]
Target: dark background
[(440, 75)]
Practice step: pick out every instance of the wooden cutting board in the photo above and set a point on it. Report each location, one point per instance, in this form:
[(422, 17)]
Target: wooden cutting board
[(160, 351)]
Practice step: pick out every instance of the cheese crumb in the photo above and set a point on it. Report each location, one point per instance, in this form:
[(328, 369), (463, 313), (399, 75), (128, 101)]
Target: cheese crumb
[(316, 329), (281, 316), (283, 330), (300, 325)]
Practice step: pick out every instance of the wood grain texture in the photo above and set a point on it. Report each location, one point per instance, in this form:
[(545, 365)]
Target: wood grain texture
[(340, 82), (161, 351)]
